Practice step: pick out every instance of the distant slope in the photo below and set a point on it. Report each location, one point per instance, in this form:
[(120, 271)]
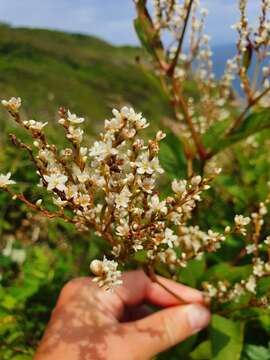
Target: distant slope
[(89, 76), (49, 68)]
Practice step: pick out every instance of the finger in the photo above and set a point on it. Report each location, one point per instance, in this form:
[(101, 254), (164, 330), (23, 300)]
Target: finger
[(165, 328), (137, 287), (186, 293)]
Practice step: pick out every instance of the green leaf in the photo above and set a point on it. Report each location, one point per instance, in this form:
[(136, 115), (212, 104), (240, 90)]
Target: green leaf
[(226, 338), (254, 352), (223, 271), (263, 286), (172, 157), (141, 256), (192, 274), (146, 32), (216, 141), (181, 351), (142, 35), (202, 351)]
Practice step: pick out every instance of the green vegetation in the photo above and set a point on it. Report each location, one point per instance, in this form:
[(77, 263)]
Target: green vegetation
[(47, 69)]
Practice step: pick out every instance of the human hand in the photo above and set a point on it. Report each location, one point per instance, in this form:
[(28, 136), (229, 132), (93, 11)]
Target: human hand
[(90, 323)]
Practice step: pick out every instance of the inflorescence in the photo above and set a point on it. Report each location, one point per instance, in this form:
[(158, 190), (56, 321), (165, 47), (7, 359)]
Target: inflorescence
[(112, 188)]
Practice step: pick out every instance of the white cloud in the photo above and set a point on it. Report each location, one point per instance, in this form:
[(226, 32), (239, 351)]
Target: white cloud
[(110, 19)]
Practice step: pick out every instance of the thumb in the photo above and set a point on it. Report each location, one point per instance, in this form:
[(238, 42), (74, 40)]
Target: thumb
[(164, 329)]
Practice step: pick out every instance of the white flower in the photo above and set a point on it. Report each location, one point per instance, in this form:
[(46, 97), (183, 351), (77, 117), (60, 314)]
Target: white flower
[(204, 11), (175, 218), (16, 255), (56, 181), (258, 268), (146, 166), (83, 151), (115, 123), (83, 177), (167, 256), (251, 248), (76, 134), (241, 222), (123, 229), (157, 206), (136, 118), (8, 248), (5, 180), (116, 250), (107, 275), (210, 290), (137, 245), (35, 125), (74, 119), (251, 284), (156, 166), (83, 200), (160, 135), (169, 238), (59, 202), (267, 267), (179, 187), (100, 150), (267, 240), (196, 180), (71, 191), (122, 199), (147, 184), (13, 104)]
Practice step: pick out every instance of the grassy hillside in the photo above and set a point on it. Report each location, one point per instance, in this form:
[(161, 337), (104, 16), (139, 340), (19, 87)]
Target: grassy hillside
[(49, 68)]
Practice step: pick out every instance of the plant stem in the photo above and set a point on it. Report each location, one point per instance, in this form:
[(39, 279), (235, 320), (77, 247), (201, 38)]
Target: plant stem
[(149, 271), (240, 118), (181, 40), (180, 101)]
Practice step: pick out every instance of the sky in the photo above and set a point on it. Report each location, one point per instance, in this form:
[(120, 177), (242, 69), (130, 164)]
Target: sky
[(111, 20)]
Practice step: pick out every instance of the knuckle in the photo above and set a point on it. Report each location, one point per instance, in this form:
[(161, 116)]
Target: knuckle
[(71, 287), (170, 333)]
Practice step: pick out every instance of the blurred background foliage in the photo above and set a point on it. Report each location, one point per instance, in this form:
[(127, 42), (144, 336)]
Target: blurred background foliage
[(47, 69)]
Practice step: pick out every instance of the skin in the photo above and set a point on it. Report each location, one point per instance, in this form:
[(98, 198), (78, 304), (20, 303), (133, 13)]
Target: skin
[(90, 323)]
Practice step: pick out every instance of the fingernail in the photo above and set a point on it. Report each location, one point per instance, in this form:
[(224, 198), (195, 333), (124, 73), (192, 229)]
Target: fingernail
[(198, 317)]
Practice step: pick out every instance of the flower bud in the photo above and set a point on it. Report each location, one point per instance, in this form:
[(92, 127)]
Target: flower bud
[(196, 180), (96, 267), (39, 202), (61, 121)]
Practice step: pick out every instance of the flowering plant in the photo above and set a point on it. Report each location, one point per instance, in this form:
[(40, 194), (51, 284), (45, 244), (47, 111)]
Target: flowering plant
[(111, 187), (115, 186), (173, 34)]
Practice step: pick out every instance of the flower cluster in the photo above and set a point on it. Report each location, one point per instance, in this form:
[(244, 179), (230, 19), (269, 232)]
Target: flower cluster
[(253, 42), (259, 250), (107, 275), (171, 24), (111, 187)]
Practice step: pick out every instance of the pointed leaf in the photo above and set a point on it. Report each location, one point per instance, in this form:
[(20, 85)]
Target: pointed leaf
[(257, 352), (172, 157), (146, 32), (202, 351), (216, 141), (226, 338)]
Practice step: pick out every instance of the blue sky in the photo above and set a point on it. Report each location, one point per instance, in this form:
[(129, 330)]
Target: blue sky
[(110, 19)]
